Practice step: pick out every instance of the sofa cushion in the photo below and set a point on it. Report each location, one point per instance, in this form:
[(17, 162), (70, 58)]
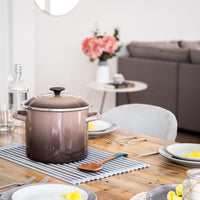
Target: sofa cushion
[(190, 44), (169, 54), (195, 56), (162, 44)]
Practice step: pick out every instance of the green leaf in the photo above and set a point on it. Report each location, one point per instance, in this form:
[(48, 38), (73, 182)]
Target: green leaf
[(119, 48), (99, 36), (116, 34), (92, 60), (105, 56)]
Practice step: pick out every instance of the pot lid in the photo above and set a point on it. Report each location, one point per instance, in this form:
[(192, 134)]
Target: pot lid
[(56, 100)]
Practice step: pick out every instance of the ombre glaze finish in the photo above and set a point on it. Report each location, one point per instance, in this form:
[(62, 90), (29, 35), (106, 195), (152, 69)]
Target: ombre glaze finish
[(57, 137), (56, 127)]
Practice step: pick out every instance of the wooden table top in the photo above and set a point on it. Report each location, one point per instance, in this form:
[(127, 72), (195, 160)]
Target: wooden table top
[(118, 187)]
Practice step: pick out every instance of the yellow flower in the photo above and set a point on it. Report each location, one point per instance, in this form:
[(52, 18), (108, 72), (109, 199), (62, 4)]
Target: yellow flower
[(194, 154), (170, 195), (176, 195), (91, 126), (74, 195), (177, 198), (179, 190)]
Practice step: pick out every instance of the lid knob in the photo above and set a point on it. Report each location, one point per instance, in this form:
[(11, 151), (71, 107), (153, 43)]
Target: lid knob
[(57, 90)]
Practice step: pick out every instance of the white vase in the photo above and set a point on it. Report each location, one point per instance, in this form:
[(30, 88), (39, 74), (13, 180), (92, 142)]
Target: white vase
[(103, 74)]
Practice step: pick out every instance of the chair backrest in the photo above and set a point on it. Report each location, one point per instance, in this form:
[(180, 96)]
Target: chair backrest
[(145, 119)]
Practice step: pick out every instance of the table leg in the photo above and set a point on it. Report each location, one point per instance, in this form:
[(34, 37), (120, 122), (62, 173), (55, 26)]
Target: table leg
[(117, 98), (128, 98), (102, 102)]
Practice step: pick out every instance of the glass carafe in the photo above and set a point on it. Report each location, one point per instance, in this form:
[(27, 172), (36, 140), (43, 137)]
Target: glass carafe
[(17, 91)]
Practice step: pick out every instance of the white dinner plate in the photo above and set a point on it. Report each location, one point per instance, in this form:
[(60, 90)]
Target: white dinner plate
[(177, 150), (100, 125), (46, 192), (102, 133), (178, 161), (7, 195)]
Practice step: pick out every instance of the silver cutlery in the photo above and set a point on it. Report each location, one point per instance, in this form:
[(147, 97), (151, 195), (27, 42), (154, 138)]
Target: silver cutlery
[(120, 138), (148, 154), (134, 140), (19, 184), (45, 179)]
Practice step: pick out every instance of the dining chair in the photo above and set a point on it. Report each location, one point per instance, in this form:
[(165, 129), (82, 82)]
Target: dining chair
[(145, 119)]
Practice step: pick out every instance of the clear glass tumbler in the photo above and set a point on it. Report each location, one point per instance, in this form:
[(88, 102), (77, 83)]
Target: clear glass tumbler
[(191, 186), (6, 117)]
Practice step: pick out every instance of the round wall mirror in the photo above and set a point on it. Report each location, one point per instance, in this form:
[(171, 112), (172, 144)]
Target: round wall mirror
[(56, 7)]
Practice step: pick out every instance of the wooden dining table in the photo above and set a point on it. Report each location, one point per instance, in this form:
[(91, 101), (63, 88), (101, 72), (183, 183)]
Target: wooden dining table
[(118, 187)]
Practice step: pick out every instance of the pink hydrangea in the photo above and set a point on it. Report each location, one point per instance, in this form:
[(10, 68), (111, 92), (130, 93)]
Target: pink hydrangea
[(101, 47), (110, 44), (93, 47)]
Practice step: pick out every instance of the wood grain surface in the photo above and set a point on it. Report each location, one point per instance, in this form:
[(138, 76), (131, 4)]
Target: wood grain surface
[(118, 187)]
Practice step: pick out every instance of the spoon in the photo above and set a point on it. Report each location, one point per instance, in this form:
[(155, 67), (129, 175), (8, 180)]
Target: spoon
[(96, 166)]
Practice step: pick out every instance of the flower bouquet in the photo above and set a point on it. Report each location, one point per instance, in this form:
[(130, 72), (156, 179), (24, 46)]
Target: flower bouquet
[(100, 46)]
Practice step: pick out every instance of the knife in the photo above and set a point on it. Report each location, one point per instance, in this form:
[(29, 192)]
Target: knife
[(148, 154)]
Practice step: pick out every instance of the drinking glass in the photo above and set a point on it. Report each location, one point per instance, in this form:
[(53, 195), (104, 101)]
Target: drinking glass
[(6, 117), (191, 186)]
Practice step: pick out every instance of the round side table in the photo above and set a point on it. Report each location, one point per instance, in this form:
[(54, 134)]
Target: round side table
[(138, 86)]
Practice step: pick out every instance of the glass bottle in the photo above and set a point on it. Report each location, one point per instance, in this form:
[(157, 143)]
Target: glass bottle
[(191, 186), (17, 91)]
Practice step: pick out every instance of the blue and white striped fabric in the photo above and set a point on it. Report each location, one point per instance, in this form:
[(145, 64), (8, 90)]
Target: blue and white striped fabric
[(69, 172)]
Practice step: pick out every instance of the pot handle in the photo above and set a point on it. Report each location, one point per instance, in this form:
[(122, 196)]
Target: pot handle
[(93, 117), (20, 115)]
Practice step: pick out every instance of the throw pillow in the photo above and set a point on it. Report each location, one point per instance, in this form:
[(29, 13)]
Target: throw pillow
[(195, 56), (190, 44), (162, 44), (168, 54)]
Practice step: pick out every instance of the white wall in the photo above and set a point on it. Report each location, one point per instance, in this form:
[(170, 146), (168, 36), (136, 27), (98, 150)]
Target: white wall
[(5, 53), (23, 39), (17, 42), (59, 59)]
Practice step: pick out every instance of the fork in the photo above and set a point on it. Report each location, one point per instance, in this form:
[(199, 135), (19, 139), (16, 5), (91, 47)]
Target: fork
[(19, 184), (120, 138), (130, 141), (45, 179)]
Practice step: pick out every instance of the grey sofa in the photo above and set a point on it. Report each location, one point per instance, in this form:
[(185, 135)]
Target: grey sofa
[(172, 71)]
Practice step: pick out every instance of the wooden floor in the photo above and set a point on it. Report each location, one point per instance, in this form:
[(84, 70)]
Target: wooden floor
[(184, 136)]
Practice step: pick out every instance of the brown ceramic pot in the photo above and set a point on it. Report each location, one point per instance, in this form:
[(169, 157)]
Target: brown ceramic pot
[(56, 127)]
